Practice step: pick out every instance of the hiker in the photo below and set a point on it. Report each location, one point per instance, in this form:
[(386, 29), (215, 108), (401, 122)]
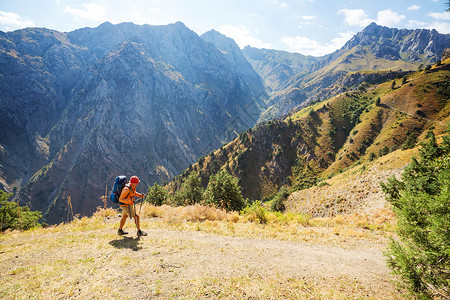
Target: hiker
[(126, 203)]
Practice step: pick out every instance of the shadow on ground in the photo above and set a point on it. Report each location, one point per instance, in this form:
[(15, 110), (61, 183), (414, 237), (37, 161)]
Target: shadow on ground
[(127, 243)]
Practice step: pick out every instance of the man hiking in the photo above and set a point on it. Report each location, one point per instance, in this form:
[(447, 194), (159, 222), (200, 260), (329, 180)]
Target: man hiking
[(126, 202)]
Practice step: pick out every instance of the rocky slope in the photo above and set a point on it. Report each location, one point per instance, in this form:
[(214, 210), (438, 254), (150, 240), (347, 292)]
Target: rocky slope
[(85, 106), (323, 140), (82, 107), (374, 48)]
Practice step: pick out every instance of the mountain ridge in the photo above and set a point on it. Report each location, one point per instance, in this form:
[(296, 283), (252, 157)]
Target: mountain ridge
[(155, 98), (374, 48), (138, 108), (354, 127)]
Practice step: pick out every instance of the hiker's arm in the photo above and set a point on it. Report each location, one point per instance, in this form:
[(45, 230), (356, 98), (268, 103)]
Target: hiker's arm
[(124, 196), (140, 195)]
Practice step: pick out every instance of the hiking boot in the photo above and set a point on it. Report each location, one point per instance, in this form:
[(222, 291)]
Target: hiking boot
[(141, 233), (121, 232)]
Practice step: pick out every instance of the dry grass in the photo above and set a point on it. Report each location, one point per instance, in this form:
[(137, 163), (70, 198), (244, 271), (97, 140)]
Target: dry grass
[(86, 259), (355, 191), (278, 287)]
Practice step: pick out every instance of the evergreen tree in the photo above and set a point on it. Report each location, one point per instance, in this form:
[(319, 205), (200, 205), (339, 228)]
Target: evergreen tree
[(411, 140), (278, 200), (224, 191), (191, 190), (421, 201), (156, 195), (404, 80), (378, 101), (13, 216)]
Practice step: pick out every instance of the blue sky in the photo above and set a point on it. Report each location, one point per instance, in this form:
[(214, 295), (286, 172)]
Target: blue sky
[(310, 27)]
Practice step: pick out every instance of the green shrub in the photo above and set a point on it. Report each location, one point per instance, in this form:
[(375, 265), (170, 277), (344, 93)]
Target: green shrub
[(383, 151), (411, 140), (378, 101), (14, 217), (224, 191), (421, 255), (192, 191), (278, 200), (255, 213), (157, 195), (404, 80)]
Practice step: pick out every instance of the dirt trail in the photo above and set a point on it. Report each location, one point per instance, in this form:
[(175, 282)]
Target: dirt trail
[(173, 264)]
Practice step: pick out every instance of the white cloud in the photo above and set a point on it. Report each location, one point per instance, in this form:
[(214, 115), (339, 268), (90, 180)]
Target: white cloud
[(91, 11), (441, 27), (358, 17), (280, 4), (440, 16), (241, 35), (355, 17), (11, 21), (389, 18), (308, 46), (309, 18), (416, 24), (414, 7)]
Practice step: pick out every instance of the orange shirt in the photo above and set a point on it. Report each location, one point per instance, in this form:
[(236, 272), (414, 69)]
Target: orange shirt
[(127, 195)]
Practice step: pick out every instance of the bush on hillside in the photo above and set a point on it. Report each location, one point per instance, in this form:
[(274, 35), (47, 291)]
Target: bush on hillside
[(255, 213), (421, 201), (303, 175), (224, 191), (14, 217), (192, 191), (156, 195), (384, 151), (411, 140), (278, 200), (404, 80)]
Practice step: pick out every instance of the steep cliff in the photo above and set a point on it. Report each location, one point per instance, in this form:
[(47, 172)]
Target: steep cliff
[(85, 106)]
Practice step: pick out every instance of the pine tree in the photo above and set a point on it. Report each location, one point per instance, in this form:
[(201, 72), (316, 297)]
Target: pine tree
[(404, 80), (224, 191), (421, 201), (278, 200), (157, 195), (13, 216), (192, 190)]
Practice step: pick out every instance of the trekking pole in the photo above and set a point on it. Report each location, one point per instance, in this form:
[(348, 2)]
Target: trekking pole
[(142, 201), (135, 216), (129, 211)]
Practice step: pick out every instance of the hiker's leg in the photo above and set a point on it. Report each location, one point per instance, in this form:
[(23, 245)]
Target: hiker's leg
[(123, 220), (138, 224)]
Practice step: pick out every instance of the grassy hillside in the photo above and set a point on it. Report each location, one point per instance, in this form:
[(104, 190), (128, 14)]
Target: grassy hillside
[(323, 140)]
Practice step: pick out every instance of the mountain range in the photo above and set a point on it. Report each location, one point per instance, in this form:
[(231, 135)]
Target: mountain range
[(82, 107)]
